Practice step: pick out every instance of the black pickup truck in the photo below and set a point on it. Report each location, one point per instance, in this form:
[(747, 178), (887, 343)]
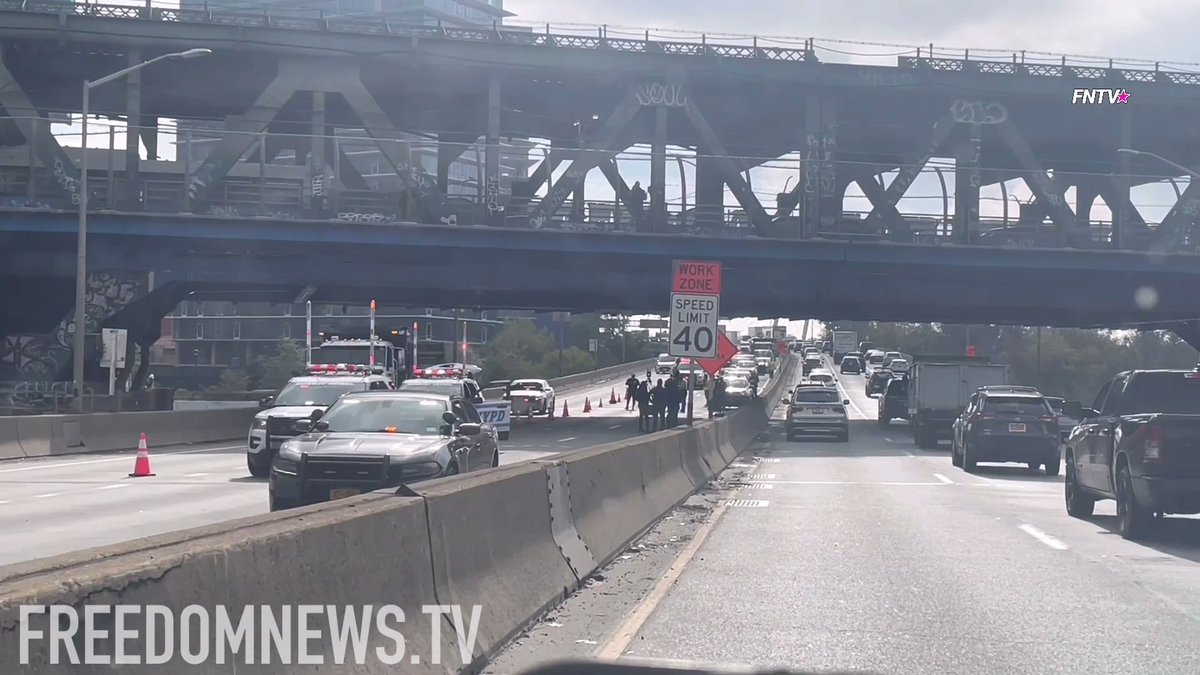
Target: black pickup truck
[(1140, 445)]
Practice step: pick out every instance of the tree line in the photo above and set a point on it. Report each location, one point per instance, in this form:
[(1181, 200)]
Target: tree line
[(1068, 362)]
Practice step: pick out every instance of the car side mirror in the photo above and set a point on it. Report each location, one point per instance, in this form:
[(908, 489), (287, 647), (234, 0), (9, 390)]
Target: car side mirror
[(1086, 413), (1073, 409), (266, 401), (470, 429), (845, 401), (316, 415), (321, 426), (785, 401), (449, 418), (303, 426)]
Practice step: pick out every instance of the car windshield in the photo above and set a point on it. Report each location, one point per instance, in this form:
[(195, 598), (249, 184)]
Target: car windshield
[(762, 354), (815, 395), (1171, 393), (875, 358), (737, 383), (821, 377), (1056, 404), (450, 387), (315, 393), (526, 386), (360, 414), (1016, 405)]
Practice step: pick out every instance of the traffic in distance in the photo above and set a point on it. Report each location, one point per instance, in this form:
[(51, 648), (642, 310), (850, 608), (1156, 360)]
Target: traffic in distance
[(1116, 449)]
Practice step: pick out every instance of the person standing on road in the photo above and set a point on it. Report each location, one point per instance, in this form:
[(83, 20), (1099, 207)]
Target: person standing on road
[(642, 396), (658, 403), (709, 387), (685, 391), (671, 411), (631, 386)]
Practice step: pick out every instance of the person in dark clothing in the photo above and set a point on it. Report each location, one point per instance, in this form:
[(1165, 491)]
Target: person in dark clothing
[(631, 386), (637, 197), (658, 402), (754, 384), (685, 390), (674, 395), (642, 396), (716, 402)]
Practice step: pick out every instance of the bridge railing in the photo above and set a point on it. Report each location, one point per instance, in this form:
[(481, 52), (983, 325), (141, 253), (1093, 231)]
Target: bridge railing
[(640, 40)]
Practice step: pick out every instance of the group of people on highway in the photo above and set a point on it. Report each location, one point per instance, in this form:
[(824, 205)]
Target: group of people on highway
[(659, 403)]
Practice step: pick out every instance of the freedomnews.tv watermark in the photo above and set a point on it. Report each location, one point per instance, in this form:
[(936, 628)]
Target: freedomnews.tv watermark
[(254, 634)]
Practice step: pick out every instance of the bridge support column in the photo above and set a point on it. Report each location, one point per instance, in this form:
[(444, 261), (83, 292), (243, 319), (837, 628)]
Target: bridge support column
[(132, 198), (1122, 181), (658, 172), (830, 198), (966, 185), (810, 170), (318, 178), (34, 126), (493, 206), (710, 190), (49, 357)]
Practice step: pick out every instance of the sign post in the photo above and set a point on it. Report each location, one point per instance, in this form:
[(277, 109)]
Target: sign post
[(114, 354), (695, 316)]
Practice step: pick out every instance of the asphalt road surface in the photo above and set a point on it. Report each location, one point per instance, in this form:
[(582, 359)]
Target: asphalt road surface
[(876, 556), (56, 505)]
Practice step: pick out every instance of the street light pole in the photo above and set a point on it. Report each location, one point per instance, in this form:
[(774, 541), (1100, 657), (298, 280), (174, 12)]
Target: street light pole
[(1164, 160), (81, 251)]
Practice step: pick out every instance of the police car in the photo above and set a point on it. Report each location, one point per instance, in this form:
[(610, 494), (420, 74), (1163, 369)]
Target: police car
[(299, 398), (451, 382)]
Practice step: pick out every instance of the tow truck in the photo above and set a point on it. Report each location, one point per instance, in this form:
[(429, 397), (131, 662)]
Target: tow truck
[(394, 355)]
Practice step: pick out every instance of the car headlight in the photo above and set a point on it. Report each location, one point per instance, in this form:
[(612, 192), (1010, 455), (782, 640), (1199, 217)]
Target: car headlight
[(289, 451), (259, 424)]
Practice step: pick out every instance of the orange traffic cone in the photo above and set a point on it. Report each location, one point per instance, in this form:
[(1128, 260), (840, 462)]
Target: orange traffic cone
[(565, 412), (587, 405), (612, 396), (141, 465)]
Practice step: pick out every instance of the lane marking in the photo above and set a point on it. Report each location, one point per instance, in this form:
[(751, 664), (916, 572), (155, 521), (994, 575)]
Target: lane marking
[(908, 454), (845, 482), (47, 495), (3, 502), (747, 503), (759, 486), (568, 438), (114, 486), (620, 640), (123, 458), (1043, 537), (762, 476), (848, 397), (888, 439), (616, 426), (943, 479), (197, 475)]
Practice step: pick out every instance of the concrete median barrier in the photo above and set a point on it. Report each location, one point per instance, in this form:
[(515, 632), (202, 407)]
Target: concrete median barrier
[(493, 546), (48, 435), (373, 552)]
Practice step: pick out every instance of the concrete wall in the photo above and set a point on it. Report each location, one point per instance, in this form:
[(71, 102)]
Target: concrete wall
[(514, 540)]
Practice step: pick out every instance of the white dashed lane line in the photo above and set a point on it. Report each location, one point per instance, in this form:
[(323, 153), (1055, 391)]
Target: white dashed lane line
[(1043, 537)]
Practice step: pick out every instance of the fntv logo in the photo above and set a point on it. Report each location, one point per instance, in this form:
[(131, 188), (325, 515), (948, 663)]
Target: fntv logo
[(1100, 96)]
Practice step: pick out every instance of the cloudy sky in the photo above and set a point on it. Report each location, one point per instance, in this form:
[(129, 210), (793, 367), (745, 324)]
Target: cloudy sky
[(875, 31)]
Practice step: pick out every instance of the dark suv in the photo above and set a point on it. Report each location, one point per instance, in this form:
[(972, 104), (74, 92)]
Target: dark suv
[(893, 405), (1007, 424)]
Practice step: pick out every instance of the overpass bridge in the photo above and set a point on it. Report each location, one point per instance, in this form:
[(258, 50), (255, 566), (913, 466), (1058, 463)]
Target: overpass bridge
[(235, 215)]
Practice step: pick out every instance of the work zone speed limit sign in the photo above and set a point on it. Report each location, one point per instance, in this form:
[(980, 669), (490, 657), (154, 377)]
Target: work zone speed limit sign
[(694, 325)]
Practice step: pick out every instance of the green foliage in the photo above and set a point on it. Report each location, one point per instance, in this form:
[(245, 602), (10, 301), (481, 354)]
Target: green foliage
[(1073, 363), (232, 381), (521, 349), (272, 371)]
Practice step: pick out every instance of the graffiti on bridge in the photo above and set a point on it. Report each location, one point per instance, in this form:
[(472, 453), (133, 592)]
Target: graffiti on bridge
[(661, 94), (18, 203), (227, 211), (369, 218), (492, 198), (66, 180), (978, 112)]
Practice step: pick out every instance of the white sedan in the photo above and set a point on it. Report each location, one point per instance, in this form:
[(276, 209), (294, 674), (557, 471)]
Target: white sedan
[(530, 395)]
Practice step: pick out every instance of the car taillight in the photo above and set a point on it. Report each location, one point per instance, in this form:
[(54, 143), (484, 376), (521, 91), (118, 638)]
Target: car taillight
[(1152, 446)]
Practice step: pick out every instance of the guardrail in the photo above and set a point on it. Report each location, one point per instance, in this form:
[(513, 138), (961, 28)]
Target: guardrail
[(48, 435), (513, 541), (621, 39)]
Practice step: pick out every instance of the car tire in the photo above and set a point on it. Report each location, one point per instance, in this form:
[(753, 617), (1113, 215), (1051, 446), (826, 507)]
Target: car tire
[(1052, 467), (968, 459), (955, 455), (277, 504), (496, 458), (1079, 504), (259, 466), (502, 435), (1133, 520)]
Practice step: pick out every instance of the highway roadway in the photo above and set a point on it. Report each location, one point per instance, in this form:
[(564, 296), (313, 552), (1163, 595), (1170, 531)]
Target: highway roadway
[(876, 556), (61, 504)]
